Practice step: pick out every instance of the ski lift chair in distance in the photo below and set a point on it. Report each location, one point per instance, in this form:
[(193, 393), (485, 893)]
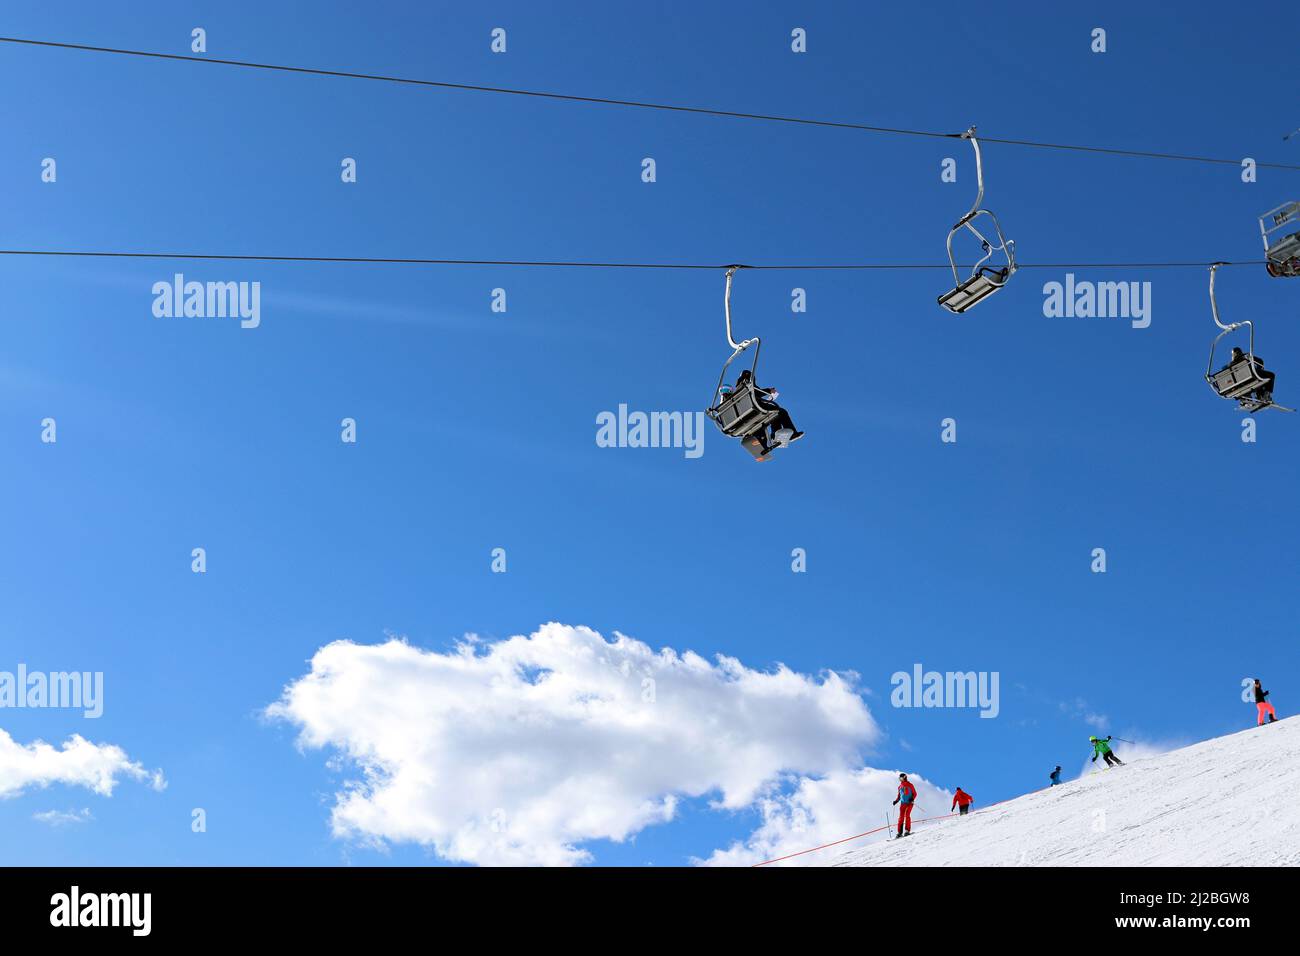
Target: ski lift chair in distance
[(1244, 380), (1283, 253), (740, 413), (983, 280)]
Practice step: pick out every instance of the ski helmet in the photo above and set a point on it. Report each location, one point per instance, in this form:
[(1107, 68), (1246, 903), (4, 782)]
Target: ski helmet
[(902, 776), (1092, 738)]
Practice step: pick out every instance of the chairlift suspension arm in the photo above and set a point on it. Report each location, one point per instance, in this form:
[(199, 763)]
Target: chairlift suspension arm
[(726, 306), (736, 347), (1214, 305), (979, 178)]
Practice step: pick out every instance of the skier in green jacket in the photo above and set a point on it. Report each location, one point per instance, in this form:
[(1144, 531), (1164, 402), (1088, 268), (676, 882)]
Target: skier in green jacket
[(1101, 748)]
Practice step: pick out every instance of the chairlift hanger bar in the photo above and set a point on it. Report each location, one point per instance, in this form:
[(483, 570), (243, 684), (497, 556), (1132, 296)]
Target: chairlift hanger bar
[(563, 264), (636, 104)]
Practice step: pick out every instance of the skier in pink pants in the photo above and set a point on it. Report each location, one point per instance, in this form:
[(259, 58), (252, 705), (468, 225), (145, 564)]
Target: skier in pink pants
[(1262, 706)]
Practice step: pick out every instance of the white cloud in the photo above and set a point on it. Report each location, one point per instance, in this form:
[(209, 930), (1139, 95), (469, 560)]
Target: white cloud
[(819, 811), (1080, 709), (518, 751), (62, 818), (79, 763)]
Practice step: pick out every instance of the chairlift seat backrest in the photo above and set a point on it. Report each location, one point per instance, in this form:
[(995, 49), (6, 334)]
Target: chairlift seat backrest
[(1238, 379), (1279, 217), (739, 415)]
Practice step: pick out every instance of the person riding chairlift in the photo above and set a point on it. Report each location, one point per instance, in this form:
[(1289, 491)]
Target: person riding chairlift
[(1263, 394), (783, 430)]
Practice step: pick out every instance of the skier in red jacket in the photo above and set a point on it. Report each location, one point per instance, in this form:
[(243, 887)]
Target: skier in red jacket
[(906, 797), (961, 801)]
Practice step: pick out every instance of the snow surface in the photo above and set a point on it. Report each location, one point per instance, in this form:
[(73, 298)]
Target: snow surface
[(1230, 801)]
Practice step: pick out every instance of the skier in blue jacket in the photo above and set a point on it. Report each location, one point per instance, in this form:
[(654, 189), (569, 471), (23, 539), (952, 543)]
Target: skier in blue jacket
[(906, 797), (1055, 776)]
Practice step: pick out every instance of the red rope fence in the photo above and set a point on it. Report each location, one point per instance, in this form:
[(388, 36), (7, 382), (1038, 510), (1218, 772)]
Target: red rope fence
[(859, 836)]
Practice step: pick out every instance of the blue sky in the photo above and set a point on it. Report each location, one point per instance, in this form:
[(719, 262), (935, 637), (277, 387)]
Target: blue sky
[(477, 429)]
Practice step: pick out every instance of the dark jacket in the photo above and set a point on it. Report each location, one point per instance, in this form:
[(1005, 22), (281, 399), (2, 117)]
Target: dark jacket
[(764, 395), (1239, 356), (1260, 694)]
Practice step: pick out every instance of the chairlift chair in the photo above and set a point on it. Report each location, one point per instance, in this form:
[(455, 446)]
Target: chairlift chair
[(983, 280), (1241, 380), (740, 414), (1282, 252)]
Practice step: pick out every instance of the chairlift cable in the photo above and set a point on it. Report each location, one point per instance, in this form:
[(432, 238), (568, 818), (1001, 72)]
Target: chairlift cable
[(580, 264), (635, 104)]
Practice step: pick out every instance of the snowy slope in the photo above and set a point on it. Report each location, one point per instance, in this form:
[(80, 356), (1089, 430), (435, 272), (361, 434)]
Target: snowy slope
[(1231, 801)]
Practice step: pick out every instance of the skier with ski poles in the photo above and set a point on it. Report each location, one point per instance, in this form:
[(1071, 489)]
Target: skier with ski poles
[(906, 797), (1101, 748), (1055, 775), (961, 801), (1262, 706)]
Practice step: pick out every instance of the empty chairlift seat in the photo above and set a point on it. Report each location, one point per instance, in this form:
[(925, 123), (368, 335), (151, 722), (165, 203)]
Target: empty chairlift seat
[(978, 287), (983, 280)]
